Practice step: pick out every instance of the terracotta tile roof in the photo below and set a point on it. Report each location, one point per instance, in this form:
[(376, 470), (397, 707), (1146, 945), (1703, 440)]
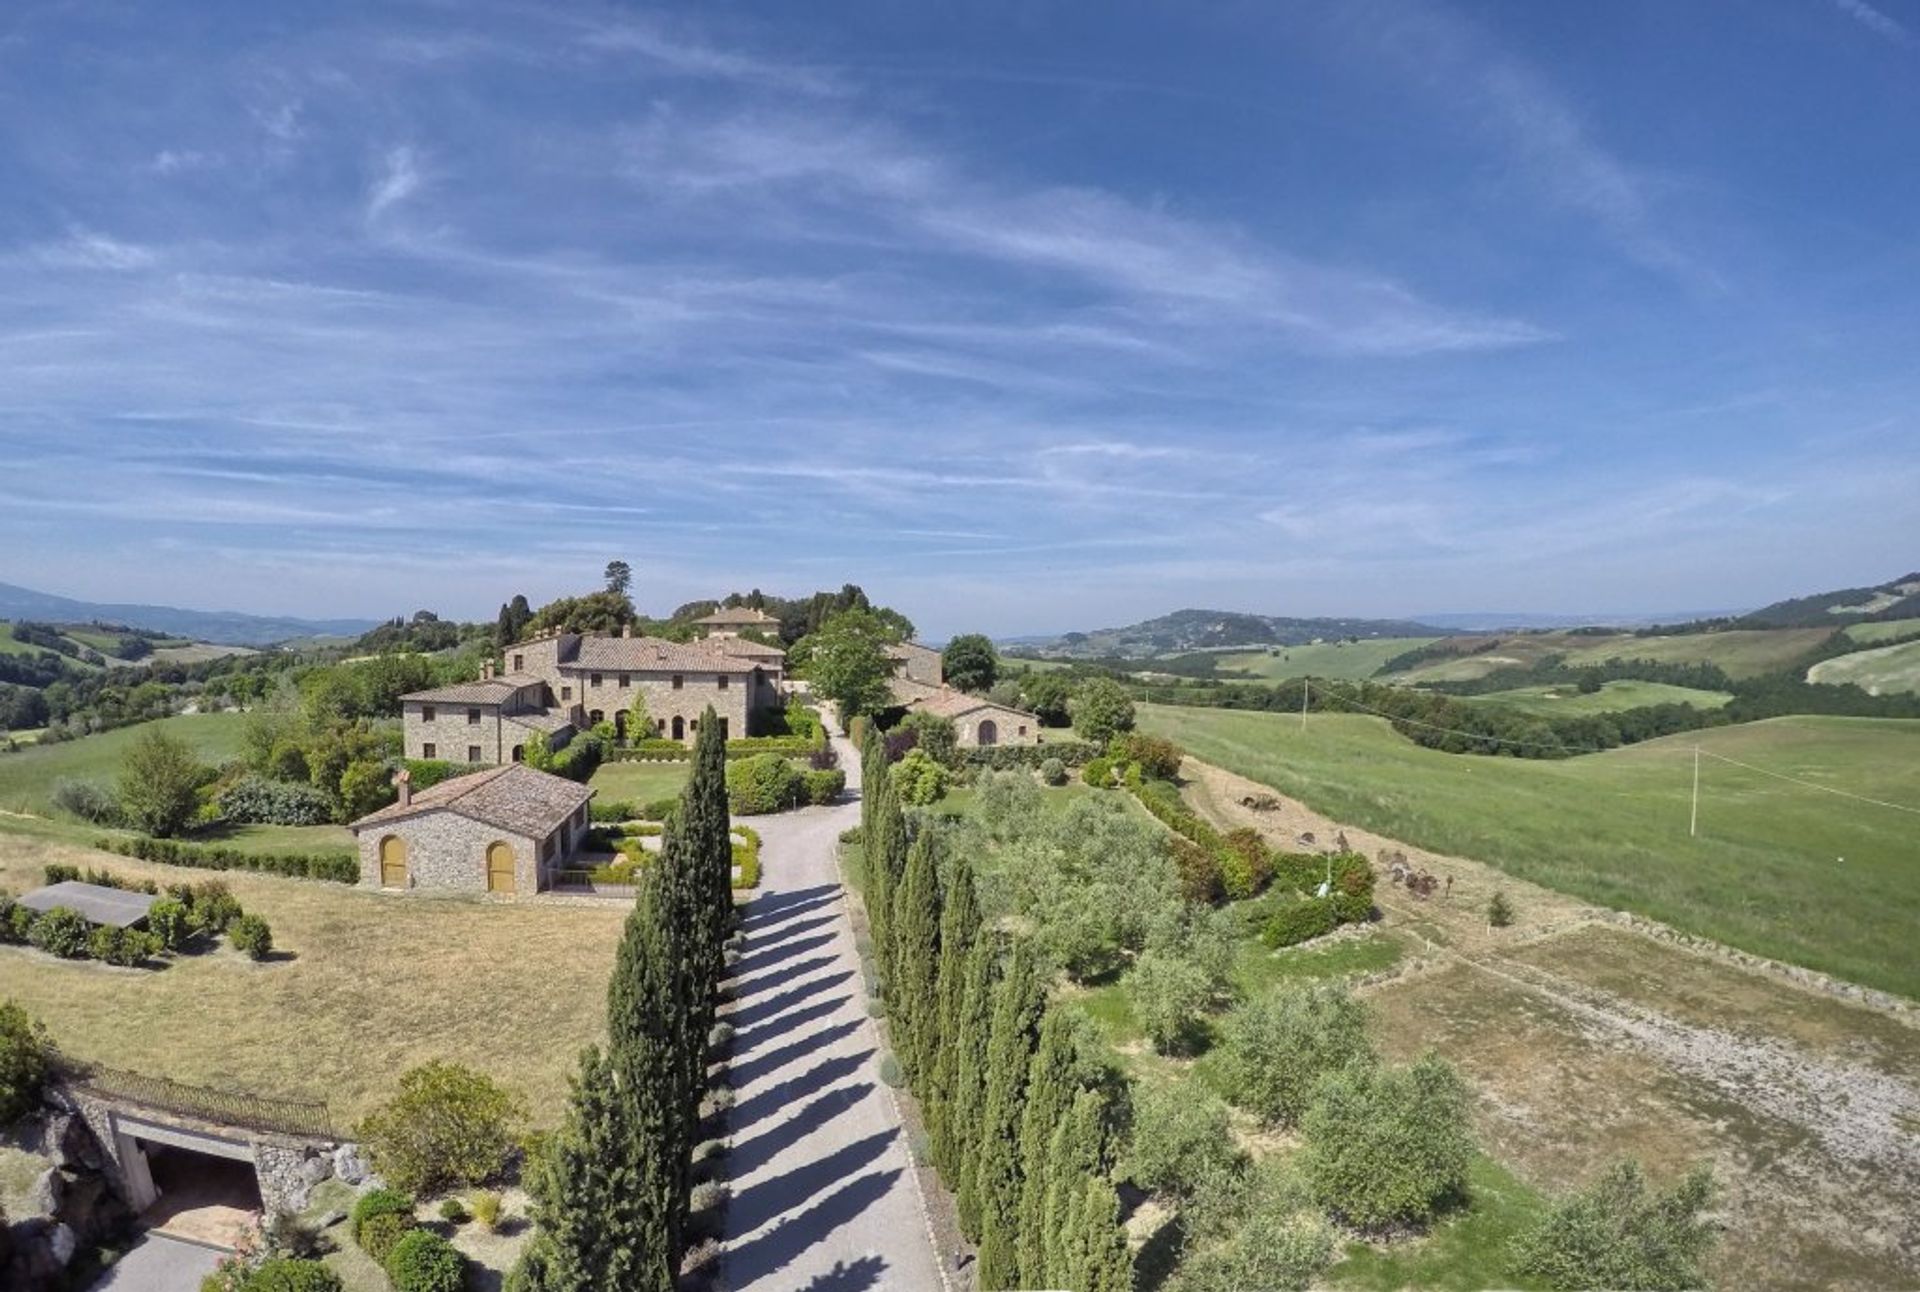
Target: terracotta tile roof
[(744, 648), (907, 691), (515, 798), (496, 690), (731, 615), (949, 703), (907, 650), (641, 654), (547, 720)]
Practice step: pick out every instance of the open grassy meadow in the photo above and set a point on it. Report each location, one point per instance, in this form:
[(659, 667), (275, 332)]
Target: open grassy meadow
[(1880, 671), (1880, 634), (1741, 653), (361, 987), (1613, 697), (27, 778), (1342, 661), (1777, 869)]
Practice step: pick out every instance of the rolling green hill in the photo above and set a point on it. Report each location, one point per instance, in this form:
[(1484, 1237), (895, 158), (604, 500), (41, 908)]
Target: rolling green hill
[(1344, 661), (1880, 634), (1880, 671), (1613, 697), (27, 778), (1778, 869), (1741, 653)]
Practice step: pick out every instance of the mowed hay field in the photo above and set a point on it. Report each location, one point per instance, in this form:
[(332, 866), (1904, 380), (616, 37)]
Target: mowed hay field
[(1766, 874), (362, 986), (1613, 697), (1880, 671), (1342, 661), (1741, 653), (1879, 634)]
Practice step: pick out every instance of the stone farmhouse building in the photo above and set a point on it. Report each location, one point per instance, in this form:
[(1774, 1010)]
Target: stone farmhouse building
[(557, 684), (917, 663), (731, 621), (504, 830), (978, 722)]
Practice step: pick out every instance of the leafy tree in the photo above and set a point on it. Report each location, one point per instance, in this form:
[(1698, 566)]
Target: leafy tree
[(1168, 992), (917, 780), (1101, 710), (365, 786), (1010, 1044), (1181, 1134), (598, 1226), (846, 662), (595, 612), (449, 1125), (25, 1054), (1388, 1145), (971, 1075), (619, 577), (1619, 1233), (1273, 1247), (913, 982), (934, 736), (970, 662), (1280, 1044), (157, 782)]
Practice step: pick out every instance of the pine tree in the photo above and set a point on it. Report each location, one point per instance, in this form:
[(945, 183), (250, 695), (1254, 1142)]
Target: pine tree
[(916, 961), (1106, 1262), (970, 1079), (1016, 1017), (1078, 1150), (597, 1229), (959, 929), (1052, 1081), (646, 1052)]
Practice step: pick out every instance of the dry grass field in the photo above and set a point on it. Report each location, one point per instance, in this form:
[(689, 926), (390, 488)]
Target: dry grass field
[(362, 986)]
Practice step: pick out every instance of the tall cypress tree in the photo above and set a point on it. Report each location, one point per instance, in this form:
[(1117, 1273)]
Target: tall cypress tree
[(1106, 1262), (873, 775), (707, 831), (597, 1228), (959, 929), (970, 1082), (646, 1043), (1078, 1151), (1016, 1017), (1052, 1081), (916, 961), (883, 881)]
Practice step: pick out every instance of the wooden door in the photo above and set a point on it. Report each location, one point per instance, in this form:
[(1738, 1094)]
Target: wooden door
[(393, 862), (499, 868)]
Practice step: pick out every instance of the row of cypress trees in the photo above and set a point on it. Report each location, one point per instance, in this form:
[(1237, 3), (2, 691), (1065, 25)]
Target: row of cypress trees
[(610, 1190), (1021, 1120)]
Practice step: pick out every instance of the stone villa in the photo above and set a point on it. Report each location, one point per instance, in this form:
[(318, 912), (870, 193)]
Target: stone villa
[(917, 663), (556, 684), (504, 830)]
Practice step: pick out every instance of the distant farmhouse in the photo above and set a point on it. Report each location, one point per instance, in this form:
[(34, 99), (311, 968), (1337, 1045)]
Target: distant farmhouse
[(919, 685), (557, 684)]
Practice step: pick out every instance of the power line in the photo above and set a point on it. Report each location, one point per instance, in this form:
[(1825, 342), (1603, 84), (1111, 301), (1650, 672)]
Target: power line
[(1812, 785)]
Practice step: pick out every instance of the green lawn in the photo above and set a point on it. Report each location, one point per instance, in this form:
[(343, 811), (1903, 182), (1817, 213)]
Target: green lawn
[(1464, 1251), (1879, 634), (1612, 697), (1341, 661), (639, 782), (1765, 874), (1882, 670), (27, 778)]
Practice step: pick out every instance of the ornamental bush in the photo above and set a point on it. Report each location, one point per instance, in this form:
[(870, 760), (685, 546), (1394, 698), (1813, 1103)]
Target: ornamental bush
[(1159, 758), (379, 1235), (378, 1202), (448, 1126), (340, 867), (123, 947), (763, 783), (255, 799), (1388, 1146), (250, 934), (1299, 921), (823, 787), (1619, 1233), (919, 779), (1280, 1044), (1053, 772), (170, 923), (1098, 773), (61, 931), (1246, 863), (422, 1261), (285, 1274), (25, 1055), (1199, 871), (1180, 1134)]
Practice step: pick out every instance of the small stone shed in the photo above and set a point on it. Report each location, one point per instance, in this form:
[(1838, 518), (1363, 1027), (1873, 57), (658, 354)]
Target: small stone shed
[(505, 830)]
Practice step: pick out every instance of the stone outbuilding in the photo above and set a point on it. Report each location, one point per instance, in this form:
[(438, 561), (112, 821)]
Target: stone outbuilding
[(506, 830), (978, 722), (917, 663)]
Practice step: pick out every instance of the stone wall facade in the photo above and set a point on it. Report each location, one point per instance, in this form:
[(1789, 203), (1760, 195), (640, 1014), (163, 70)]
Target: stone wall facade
[(1010, 727), (447, 852), (450, 736), (665, 702), (918, 663)]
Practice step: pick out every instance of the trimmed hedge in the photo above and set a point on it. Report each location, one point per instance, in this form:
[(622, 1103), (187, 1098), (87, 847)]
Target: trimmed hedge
[(823, 787), (1298, 921), (337, 867), (1007, 758), (764, 783), (422, 1261)]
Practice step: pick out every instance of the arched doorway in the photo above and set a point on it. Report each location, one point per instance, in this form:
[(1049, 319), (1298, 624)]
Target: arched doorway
[(597, 717), (987, 733), (679, 727), (519, 753), (393, 862), (620, 726), (499, 867)]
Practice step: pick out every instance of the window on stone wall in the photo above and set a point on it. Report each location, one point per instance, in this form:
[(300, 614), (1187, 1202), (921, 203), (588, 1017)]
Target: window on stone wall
[(626, 680), (473, 717), (473, 753), (593, 680), (566, 693), (721, 681), (678, 681), (519, 663), (426, 713), (429, 750)]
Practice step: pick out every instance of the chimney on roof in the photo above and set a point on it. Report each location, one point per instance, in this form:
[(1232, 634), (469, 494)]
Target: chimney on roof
[(486, 669), (626, 630), (403, 782)]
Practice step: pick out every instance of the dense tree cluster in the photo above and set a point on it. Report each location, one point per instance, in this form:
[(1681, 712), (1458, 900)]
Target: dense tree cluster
[(611, 1189), (1022, 1126), (846, 662), (970, 663)]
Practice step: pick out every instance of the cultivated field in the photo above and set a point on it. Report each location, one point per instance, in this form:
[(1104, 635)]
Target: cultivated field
[(1342, 661), (1777, 869), (1880, 671), (1891, 630), (1742, 653), (362, 986), (1613, 697)]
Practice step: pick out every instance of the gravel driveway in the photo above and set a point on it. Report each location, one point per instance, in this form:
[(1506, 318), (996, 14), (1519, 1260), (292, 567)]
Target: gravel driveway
[(158, 1263), (824, 1194)]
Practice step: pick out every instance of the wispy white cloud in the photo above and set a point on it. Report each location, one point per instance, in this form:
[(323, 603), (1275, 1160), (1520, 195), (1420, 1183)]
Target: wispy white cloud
[(1875, 21), (398, 180), (171, 161), (87, 249)]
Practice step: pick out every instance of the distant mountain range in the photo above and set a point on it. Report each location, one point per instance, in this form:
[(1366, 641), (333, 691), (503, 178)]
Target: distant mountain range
[(1189, 630), (222, 627)]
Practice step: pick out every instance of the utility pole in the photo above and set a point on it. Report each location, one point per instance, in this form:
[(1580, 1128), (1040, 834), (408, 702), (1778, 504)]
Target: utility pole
[(1693, 822), (1303, 704)]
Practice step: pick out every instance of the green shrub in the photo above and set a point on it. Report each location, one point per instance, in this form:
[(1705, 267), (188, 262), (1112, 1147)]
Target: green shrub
[(763, 783), (90, 802), (1246, 863), (285, 1274), (824, 787), (1280, 1044), (257, 799), (1199, 871), (918, 779), (378, 1202), (1387, 1146), (454, 1211), (746, 860), (1053, 772), (423, 1261), (1181, 1132), (1499, 910), (659, 809), (1157, 756), (20, 922), (170, 923), (337, 867), (61, 931), (449, 1125), (610, 811), (212, 906), (936, 735), (485, 1206), (1007, 758), (1272, 1248), (1617, 1233), (25, 1056), (1168, 992), (380, 1235), (251, 934), (1098, 773), (58, 872), (1299, 921), (123, 947)]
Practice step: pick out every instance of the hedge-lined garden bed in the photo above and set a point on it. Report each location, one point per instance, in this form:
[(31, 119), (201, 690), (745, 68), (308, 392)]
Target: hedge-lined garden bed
[(337, 867), (186, 915)]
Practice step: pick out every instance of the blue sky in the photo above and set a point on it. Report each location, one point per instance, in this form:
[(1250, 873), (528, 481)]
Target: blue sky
[(1026, 316)]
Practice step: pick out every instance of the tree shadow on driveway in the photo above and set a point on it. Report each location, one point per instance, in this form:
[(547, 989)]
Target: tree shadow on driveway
[(780, 1247)]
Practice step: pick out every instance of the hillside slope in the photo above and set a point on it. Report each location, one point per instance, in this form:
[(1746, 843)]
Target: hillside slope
[(1190, 630), (222, 627), (1896, 599)]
